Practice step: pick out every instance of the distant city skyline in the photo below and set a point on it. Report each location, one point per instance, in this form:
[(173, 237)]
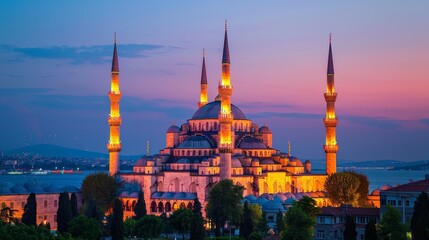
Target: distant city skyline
[(55, 61)]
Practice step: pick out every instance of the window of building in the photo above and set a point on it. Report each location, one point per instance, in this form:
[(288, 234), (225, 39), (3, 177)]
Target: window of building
[(11, 205), (320, 234), (55, 203), (407, 203), (321, 219), (399, 202), (45, 203)]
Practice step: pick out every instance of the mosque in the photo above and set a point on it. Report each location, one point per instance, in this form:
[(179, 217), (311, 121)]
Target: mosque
[(217, 142)]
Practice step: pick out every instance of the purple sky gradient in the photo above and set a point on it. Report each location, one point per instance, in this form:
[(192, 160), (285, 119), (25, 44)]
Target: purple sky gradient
[(55, 60)]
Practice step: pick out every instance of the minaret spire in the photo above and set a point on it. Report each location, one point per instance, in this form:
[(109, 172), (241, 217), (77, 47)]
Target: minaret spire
[(226, 135), (114, 146), (204, 88), (330, 121)]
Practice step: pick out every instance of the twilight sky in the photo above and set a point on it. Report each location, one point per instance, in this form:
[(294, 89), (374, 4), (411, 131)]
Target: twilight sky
[(55, 60)]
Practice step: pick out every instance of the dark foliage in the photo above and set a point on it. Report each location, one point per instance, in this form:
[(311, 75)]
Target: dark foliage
[(280, 222), (197, 223), (82, 227), (30, 211), (64, 212), (420, 219), (140, 207), (149, 226), (350, 229), (101, 189), (370, 230), (73, 202), (117, 227)]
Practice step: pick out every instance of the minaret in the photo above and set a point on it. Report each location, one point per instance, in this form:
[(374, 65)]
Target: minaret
[(204, 90), (331, 147), (114, 146), (226, 144)]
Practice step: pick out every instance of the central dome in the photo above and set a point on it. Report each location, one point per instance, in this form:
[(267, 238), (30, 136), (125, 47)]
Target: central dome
[(211, 111)]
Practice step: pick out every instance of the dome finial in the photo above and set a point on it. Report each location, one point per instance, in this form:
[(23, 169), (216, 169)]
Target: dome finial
[(226, 25)]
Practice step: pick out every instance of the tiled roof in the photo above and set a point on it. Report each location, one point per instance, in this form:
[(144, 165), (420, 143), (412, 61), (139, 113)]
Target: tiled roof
[(419, 186), (348, 210)]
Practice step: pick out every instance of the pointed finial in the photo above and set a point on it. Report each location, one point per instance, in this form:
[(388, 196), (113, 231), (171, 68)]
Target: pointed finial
[(226, 24), (289, 148), (330, 38), (114, 37), (147, 148), (204, 52)]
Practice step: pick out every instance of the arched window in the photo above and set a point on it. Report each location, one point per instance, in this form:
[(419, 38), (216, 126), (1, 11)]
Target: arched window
[(133, 205), (182, 205), (207, 126), (215, 126), (153, 206), (189, 205), (160, 207), (188, 153), (168, 207), (199, 153), (199, 126)]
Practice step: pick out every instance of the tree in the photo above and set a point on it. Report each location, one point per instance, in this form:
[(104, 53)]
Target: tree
[(262, 226), (224, 204), (342, 188), (370, 230), (390, 226), (140, 207), (30, 211), (167, 228), (299, 225), (82, 227), (308, 205), (6, 213), (246, 226), (117, 226), (129, 226), (350, 229), (64, 212), (22, 231), (420, 219), (256, 236), (181, 221), (100, 188), (197, 222), (363, 189), (91, 209), (73, 202), (280, 222), (149, 226), (256, 211)]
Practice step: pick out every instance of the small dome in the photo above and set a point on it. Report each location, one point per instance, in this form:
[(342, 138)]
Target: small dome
[(18, 189), (267, 161), (195, 142), (261, 201), (250, 198), (251, 143), (376, 192), (295, 162), (69, 188), (51, 188), (140, 163), (273, 206), (290, 201), (265, 130), (235, 163), (173, 129), (4, 190)]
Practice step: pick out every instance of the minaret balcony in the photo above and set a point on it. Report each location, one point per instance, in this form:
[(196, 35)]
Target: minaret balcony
[(226, 148), (115, 96), (330, 122), (114, 147), (225, 90), (114, 121), (225, 117), (330, 148), (330, 97)]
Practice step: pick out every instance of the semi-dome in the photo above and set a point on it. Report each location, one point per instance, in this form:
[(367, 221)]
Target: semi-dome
[(273, 206), (211, 111), (173, 129), (264, 130), (295, 162), (235, 163), (195, 142), (249, 142)]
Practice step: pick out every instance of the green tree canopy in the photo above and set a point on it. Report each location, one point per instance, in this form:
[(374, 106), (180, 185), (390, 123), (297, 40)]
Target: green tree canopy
[(308, 205), (30, 211), (197, 222), (299, 225), (6, 213), (342, 188), (224, 204), (64, 212), (101, 189), (180, 220), (262, 226), (256, 211), (129, 227), (280, 222), (350, 229), (420, 219), (363, 189), (82, 227), (149, 226), (117, 226), (140, 207), (20, 231), (390, 226)]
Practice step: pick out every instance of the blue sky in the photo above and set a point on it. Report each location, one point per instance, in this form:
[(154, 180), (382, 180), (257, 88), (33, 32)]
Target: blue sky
[(55, 61)]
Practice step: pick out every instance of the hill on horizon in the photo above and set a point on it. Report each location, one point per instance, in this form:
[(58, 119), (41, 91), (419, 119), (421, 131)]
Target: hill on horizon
[(50, 150)]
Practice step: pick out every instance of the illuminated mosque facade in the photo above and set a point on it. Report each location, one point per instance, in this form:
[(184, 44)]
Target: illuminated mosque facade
[(218, 142)]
